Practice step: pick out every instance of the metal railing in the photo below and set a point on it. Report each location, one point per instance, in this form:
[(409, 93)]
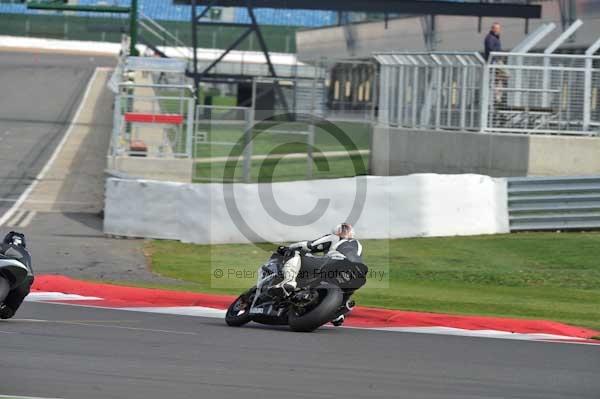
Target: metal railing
[(430, 90), (227, 135), (153, 120), (541, 94), (554, 203)]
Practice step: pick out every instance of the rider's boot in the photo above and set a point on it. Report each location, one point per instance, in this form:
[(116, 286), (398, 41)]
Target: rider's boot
[(338, 321), (290, 271), (346, 308)]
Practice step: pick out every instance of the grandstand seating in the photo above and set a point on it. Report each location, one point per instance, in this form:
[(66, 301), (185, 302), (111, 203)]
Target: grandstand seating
[(164, 10)]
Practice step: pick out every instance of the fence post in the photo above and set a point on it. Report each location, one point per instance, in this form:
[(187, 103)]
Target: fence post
[(485, 97), (587, 94), (310, 138), (248, 146), (310, 141), (190, 129), (116, 126), (463, 95)]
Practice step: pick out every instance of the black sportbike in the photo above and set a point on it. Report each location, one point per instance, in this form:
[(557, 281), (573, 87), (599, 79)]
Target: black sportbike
[(323, 293), (16, 275)]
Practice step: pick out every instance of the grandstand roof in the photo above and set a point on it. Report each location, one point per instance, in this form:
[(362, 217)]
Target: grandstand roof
[(436, 7)]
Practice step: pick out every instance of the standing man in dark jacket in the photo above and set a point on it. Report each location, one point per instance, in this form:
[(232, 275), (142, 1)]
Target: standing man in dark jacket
[(492, 41)]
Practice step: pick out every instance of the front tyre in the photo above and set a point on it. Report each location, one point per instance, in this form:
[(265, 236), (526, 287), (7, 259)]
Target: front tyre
[(330, 299), (238, 312)]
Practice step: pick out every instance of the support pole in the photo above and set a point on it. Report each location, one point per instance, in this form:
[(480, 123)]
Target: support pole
[(265, 50), (133, 27), (195, 50), (587, 94), (550, 50)]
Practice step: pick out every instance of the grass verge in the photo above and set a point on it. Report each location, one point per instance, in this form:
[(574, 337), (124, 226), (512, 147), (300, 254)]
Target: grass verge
[(530, 275)]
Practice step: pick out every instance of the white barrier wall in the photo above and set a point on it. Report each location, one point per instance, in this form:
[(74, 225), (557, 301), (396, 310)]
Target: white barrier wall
[(384, 207)]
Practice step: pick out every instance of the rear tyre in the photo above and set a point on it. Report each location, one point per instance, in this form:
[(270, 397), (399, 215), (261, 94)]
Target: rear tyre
[(4, 289), (331, 298), (238, 312)]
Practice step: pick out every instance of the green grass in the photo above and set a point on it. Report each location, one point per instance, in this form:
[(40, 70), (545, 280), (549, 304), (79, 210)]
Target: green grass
[(269, 142), (530, 275), (272, 170)]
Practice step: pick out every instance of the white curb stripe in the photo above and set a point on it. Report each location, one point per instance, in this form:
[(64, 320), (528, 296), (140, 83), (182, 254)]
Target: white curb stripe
[(201, 311), (36, 296)]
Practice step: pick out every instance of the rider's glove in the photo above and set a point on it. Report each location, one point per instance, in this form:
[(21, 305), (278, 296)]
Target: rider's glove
[(282, 250)]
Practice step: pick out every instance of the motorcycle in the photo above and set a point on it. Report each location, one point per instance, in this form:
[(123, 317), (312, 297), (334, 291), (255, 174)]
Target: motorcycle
[(16, 274), (323, 293)]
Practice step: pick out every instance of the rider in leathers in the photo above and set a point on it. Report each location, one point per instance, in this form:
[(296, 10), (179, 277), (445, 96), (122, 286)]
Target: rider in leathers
[(15, 297), (339, 245)]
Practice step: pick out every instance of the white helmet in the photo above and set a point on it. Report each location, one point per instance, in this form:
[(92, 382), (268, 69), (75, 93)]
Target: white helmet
[(344, 231)]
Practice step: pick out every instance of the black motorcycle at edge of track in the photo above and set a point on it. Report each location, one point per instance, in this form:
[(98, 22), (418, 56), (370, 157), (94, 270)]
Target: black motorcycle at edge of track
[(323, 293), (16, 274)]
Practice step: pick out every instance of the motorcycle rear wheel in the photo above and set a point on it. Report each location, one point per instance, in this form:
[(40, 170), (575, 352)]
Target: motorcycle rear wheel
[(4, 289), (238, 312), (325, 311)]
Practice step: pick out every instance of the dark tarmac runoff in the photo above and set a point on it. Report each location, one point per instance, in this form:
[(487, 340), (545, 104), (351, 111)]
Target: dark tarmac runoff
[(64, 351)]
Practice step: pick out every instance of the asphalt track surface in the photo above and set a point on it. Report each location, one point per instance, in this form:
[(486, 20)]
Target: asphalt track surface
[(39, 94), (99, 353), (51, 350)]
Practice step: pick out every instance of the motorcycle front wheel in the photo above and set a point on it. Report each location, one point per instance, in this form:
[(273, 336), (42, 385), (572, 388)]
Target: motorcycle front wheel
[(238, 312), (330, 299)]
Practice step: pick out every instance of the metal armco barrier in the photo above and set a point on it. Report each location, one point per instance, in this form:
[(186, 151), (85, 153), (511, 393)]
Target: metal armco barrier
[(554, 203)]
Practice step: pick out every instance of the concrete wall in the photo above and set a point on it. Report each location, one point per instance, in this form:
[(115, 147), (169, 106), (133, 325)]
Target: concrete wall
[(379, 207), (167, 169), (453, 33), (397, 151)]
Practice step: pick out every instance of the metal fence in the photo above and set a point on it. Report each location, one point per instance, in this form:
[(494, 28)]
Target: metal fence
[(230, 146), (153, 121), (542, 93), (430, 90), (554, 203)]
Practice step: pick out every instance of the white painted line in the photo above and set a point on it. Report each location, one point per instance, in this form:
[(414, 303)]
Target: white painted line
[(13, 220), (198, 311), (57, 150), (475, 333), (95, 324), (43, 202), (201, 311), (27, 219), (23, 397), (317, 155)]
